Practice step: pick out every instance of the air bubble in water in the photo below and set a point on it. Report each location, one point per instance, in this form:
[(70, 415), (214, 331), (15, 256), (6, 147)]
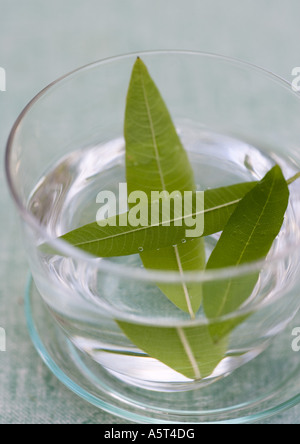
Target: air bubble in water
[(141, 249)]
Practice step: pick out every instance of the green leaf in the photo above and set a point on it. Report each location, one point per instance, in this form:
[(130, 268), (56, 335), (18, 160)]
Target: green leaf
[(155, 157), (251, 213), (188, 350), (247, 237), (157, 161), (114, 241)]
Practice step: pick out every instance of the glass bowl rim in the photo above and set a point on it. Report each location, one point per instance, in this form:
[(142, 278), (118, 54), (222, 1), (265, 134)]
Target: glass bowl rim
[(122, 270)]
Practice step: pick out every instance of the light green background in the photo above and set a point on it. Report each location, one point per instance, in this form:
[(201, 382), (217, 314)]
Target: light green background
[(41, 40)]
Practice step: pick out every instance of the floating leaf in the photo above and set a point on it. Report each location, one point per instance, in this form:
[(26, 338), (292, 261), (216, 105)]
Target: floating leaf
[(113, 241), (157, 161)]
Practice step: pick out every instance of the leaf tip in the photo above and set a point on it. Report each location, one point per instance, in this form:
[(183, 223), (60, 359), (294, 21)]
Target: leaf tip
[(139, 64)]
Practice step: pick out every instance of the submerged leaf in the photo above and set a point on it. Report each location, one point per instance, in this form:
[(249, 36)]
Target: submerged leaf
[(188, 350), (247, 237), (157, 161)]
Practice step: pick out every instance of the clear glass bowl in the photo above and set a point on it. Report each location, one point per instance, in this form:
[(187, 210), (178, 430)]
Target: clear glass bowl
[(236, 121), (266, 386)]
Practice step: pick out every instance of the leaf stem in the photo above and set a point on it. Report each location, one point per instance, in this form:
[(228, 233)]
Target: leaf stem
[(189, 352), (293, 179), (185, 289)]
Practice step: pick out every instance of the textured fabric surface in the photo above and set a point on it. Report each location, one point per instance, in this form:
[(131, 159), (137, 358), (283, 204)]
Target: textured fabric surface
[(39, 41)]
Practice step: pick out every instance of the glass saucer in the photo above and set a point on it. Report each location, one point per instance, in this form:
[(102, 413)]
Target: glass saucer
[(262, 388)]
